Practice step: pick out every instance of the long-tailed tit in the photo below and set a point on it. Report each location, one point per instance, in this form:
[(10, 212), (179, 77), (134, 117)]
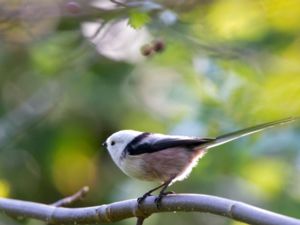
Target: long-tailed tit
[(166, 158)]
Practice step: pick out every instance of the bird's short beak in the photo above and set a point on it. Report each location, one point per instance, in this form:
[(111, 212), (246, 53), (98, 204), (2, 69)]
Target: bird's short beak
[(104, 144)]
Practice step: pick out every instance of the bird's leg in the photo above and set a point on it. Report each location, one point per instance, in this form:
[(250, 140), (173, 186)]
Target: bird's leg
[(141, 199), (163, 192)]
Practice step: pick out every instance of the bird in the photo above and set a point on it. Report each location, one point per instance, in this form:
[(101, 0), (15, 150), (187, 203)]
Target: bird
[(167, 158)]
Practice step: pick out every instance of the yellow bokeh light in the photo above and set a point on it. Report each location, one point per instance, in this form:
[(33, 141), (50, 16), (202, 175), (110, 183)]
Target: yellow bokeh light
[(279, 97), (73, 166), (236, 19), (4, 189), (267, 174), (281, 14)]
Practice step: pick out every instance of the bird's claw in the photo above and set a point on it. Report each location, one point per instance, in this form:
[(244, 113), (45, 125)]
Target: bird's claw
[(141, 199), (159, 198), (158, 201)]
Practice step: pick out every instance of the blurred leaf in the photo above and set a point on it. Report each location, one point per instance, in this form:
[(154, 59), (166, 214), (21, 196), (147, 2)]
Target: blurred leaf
[(282, 15), (137, 19), (50, 57)]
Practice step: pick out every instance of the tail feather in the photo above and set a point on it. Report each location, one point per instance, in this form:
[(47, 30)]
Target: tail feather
[(244, 132)]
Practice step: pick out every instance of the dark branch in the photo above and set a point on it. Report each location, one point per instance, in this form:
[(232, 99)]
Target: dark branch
[(129, 208), (140, 220)]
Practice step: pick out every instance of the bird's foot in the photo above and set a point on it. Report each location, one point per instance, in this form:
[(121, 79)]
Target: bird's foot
[(141, 199), (159, 198)]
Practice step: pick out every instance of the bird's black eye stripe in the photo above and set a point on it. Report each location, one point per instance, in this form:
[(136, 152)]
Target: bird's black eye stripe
[(113, 143)]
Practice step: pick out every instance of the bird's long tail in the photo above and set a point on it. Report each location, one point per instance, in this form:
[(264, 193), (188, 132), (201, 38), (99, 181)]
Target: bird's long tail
[(244, 132)]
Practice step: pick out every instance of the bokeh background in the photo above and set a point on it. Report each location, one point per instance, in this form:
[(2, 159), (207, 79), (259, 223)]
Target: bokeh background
[(73, 72)]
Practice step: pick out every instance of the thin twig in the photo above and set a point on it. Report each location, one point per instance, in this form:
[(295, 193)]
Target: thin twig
[(78, 196), (98, 30), (119, 3), (140, 220), (125, 209)]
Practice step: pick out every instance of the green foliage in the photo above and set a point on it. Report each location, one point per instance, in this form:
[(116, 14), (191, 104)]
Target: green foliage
[(138, 19)]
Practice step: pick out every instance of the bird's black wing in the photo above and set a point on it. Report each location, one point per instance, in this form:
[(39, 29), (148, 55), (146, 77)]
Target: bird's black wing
[(149, 143)]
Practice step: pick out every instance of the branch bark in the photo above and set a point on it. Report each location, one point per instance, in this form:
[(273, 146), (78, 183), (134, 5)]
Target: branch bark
[(128, 208), (79, 195)]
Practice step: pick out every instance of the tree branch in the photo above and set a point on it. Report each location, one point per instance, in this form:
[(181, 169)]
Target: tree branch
[(79, 195), (129, 208)]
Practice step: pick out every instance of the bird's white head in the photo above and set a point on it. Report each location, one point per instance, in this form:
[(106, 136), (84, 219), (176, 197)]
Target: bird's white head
[(117, 142)]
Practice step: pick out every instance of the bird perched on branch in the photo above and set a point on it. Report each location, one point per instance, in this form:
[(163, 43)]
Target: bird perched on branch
[(166, 158)]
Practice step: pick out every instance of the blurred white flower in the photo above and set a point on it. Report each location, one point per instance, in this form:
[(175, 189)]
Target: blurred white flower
[(117, 40)]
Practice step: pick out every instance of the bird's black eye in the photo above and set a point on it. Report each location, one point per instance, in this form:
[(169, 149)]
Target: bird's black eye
[(113, 143)]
